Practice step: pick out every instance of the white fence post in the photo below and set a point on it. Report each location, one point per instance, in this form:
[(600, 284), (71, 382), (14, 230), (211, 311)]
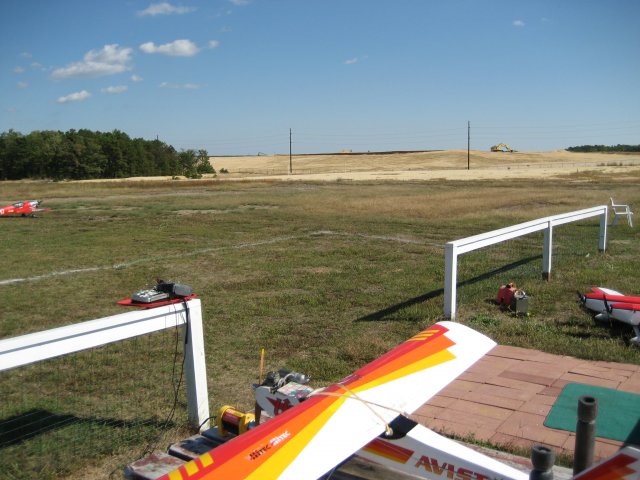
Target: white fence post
[(35, 347), (547, 254), (602, 246), (450, 279), (195, 369)]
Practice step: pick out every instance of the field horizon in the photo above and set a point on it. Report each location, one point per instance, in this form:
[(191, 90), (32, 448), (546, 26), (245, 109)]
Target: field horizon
[(424, 165)]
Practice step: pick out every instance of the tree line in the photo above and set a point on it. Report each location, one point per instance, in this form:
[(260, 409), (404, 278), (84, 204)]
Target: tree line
[(85, 154), (605, 148)]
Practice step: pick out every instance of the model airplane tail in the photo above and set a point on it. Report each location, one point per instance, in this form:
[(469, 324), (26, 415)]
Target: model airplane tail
[(314, 436), (425, 454)]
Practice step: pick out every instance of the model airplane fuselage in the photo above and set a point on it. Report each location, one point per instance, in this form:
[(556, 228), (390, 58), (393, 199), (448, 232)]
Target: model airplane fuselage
[(610, 304), (24, 208)]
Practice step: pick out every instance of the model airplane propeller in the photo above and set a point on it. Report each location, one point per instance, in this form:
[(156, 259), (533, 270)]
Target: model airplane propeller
[(24, 208), (366, 413)]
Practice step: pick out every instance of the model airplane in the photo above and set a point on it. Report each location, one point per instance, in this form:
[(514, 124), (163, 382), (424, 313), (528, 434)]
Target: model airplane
[(610, 304), (25, 208), (366, 412), (411, 449)]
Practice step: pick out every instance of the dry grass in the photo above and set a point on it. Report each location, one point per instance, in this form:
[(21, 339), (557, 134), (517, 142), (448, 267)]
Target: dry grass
[(325, 275), (449, 164)]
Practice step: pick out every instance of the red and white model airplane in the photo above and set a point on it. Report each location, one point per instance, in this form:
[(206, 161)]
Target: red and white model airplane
[(366, 412), (25, 208), (610, 304)]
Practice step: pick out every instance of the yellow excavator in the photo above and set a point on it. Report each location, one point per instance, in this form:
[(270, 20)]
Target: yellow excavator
[(503, 147)]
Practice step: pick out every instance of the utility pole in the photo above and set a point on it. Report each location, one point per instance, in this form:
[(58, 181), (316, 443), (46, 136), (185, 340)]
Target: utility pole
[(290, 165), (468, 143)]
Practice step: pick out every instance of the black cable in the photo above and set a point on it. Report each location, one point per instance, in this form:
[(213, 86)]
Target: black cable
[(154, 443), (173, 371), (188, 320), (212, 417)]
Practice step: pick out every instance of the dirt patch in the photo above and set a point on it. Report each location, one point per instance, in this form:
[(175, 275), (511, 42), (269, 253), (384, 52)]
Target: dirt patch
[(286, 292), (216, 211), (320, 270)]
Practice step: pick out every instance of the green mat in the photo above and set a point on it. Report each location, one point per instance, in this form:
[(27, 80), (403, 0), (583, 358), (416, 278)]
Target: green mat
[(618, 412)]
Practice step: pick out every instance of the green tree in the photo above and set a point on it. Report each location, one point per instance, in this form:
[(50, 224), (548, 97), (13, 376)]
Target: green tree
[(85, 154), (188, 161), (202, 163), (12, 156)]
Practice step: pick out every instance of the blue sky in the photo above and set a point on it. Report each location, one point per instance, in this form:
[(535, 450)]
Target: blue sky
[(233, 76)]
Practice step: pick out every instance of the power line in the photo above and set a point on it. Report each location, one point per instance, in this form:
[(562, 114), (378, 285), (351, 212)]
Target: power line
[(428, 138)]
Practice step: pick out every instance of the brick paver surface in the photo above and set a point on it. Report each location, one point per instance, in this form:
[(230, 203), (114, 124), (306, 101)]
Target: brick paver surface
[(505, 397)]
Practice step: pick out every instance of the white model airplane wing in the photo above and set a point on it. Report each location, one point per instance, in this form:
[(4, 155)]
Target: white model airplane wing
[(606, 291), (311, 438)]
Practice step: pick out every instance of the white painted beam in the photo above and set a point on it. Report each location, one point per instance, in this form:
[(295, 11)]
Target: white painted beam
[(475, 242), (39, 346)]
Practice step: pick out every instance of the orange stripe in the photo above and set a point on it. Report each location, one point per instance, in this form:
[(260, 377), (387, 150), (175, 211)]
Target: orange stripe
[(616, 468), (397, 368), (389, 450), (307, 430), (253, 455), (241, 465)]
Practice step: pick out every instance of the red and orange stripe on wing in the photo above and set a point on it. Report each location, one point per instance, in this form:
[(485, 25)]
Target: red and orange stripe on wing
[(388, 450), (266, 451), (618, 467)]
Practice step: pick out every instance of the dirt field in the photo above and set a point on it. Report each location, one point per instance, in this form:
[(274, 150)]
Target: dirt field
[(448, 164)]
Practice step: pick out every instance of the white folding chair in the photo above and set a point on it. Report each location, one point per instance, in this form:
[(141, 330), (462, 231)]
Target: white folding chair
[(621, 210)]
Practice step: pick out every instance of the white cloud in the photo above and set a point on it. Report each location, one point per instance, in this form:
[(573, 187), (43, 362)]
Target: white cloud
[(115, 89), (213, 44), (18, 70), (164, 8), (111, 59), (186, 86), (38, 66), (74, 97), (26, 55), (240, 3), (22, 84), (518, 23), (178, 48), (136, 78), (354, 60)]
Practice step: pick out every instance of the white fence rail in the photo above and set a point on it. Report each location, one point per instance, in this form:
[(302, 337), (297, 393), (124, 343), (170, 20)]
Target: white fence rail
[(35, 347), (458, 247)]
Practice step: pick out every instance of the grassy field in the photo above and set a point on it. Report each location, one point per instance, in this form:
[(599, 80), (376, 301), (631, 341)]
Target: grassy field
[(324, 276)]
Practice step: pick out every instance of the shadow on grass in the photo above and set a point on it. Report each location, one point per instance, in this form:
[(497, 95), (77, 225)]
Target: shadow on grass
[(30, 424), (385, 312), (613, 328)]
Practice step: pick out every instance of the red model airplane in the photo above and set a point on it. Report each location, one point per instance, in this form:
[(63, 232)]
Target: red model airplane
[(25, 208)]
